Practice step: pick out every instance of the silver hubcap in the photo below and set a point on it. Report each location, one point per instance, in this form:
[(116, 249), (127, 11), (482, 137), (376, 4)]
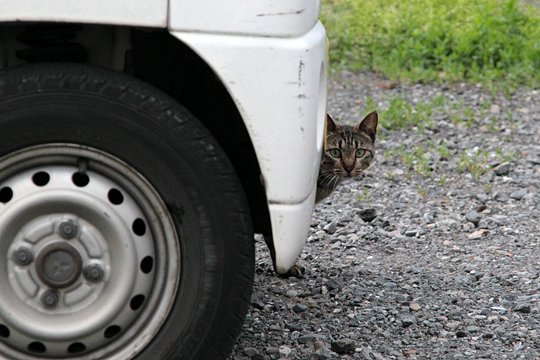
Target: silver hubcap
[(90, 259)]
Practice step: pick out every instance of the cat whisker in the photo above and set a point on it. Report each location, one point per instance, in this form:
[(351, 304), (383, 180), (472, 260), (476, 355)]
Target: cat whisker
[(329, 179), (337, 180), (326, 179)]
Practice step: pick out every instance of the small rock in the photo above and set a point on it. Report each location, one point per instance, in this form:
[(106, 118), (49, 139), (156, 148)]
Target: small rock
[(368, 354), (272, 350), (453, 325), (502, 169), (284, 350), (291, 293), (343, 346), (333, 285), (407, 321), (519, 194), (495, 109), (367, 215), (319, 344), (323, 354), (331, 228), (473, 216), (310, 338), (461, 334), (523, 308), (473, 329), (501, 310), (482, 197), (411, 233), (294, 326), (478, 234), (414, 306), (487, 223), (298, 308), (257, 303), (251, 352), (409, 352), (500, 197)]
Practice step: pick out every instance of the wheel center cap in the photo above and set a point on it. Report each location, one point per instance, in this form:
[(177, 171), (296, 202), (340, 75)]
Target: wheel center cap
[(58, 265)]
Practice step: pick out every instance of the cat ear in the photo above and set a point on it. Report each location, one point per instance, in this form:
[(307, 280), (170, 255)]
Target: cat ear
[(369, 125), (330, 124)]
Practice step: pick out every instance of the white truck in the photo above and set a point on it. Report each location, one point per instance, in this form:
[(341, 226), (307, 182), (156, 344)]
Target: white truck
[(142, 144)]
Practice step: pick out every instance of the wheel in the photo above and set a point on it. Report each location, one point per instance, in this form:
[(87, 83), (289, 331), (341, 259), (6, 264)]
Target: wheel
[(124, 232)]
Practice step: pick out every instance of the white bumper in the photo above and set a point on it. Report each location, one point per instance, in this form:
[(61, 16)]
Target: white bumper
[(279, 87)]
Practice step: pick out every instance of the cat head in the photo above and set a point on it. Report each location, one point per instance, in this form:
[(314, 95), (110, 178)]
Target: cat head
[(349, 149)]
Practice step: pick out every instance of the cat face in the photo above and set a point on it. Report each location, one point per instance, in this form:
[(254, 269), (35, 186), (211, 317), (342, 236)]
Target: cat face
[(349, 149)]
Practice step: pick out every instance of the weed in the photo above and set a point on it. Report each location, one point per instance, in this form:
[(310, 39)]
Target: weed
[(475, 162), (422, 191), (494, 42), (364, 196), (401, 113), (444, 151), (442, 180)]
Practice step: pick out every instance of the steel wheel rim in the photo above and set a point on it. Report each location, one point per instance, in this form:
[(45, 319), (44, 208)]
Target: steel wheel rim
[(87, 243)]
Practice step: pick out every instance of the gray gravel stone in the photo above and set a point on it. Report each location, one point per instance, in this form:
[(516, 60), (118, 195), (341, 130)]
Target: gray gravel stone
[(473, 329), (299, 308), (285, 351), (502, 169), (407, 321), (367, 215), (519, 194), (523, 308), (310, 338), (343, 346), (291, 293), (272, 350), (462, 284), (473, 216), (331, 227)]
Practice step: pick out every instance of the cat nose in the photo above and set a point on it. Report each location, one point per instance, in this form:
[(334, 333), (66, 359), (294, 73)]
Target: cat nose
[(348, 167)]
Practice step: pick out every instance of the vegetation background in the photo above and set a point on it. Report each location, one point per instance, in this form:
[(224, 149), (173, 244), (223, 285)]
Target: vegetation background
[(492, 42)]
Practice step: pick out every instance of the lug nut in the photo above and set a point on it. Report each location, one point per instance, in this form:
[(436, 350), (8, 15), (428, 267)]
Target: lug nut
[(23, 256), (94, 272), (68, 229), (49, 298)]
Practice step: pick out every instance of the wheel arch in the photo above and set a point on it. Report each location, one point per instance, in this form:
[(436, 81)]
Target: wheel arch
[(167, 63)]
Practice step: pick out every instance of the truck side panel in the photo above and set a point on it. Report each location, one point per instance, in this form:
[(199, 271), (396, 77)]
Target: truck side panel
[(135, 12), (289, 18)]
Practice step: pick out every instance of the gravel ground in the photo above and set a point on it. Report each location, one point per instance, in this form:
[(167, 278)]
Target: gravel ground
[(413, 263)]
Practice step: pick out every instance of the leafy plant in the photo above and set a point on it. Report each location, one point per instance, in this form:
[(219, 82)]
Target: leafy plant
[(487, 41)]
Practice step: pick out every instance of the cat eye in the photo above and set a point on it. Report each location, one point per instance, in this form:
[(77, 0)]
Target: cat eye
[(336, 153), (360, 153)]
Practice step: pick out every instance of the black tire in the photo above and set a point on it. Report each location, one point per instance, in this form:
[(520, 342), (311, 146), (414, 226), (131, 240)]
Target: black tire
[(172, 150)]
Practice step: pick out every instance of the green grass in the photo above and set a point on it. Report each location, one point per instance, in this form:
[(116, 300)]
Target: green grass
[(400, 113), (492, 42), (426, 157)]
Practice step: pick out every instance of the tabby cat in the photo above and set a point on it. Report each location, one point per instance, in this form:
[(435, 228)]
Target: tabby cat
[(348, 152)]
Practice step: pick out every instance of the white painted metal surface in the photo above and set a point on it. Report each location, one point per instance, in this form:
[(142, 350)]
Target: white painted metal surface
[(279, 87), (285, 18), (132, 12), (290, 227)]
